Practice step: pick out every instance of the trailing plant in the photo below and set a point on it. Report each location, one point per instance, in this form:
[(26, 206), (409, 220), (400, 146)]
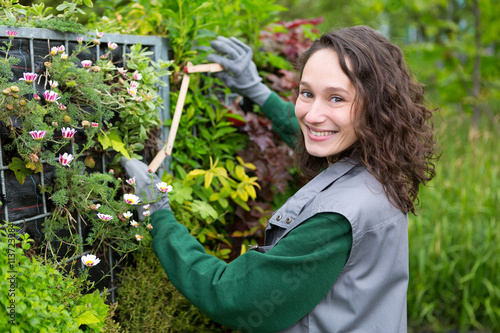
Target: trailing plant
[(39, 297), (88, 108)]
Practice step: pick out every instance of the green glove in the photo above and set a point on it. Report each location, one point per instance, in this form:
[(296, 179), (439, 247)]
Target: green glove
[(139, 170), (240, 73)]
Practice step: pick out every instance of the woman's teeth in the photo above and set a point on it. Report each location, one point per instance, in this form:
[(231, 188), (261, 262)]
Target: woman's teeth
[(320, 133)]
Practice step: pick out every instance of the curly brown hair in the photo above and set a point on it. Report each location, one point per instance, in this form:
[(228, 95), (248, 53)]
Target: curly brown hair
[(395, 143)]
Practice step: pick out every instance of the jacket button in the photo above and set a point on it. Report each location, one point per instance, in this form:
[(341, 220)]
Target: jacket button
[(288, 220), (278, 218)]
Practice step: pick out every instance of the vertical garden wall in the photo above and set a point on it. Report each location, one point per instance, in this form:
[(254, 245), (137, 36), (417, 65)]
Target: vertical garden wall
[(29, 196)]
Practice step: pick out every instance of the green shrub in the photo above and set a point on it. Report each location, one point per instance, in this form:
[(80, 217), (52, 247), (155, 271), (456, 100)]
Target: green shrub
[(37, 297), (148, 302)]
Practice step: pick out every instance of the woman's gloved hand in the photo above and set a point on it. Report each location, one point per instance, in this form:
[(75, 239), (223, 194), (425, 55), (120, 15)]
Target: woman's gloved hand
[(240, 73), (144, 185)]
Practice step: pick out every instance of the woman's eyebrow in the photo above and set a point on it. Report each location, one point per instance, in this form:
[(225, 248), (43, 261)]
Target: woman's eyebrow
[(331, 88)]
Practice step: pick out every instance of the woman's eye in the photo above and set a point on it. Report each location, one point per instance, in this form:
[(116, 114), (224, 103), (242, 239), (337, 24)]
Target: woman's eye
[(337, 99), (306, 94)]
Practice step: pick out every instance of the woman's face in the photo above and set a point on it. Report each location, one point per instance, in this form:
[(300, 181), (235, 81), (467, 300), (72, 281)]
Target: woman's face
[(324, 107)]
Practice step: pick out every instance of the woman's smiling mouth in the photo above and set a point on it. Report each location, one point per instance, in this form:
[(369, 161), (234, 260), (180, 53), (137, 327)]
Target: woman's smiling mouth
[(322, 133)]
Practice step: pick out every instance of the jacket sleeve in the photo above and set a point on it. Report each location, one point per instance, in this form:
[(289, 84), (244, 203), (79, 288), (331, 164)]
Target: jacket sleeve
[(282, 116), (256, 292)]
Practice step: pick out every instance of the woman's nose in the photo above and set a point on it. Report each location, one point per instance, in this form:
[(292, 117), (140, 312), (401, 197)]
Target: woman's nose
[(315, 114)]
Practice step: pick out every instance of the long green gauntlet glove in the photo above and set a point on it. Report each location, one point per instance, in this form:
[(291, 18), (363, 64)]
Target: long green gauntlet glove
[(240, 73)]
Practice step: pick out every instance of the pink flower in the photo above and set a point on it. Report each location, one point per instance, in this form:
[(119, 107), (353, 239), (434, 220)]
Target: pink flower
[(121, 70), (79, 40), (112, 46), (146, 213), (98, 34), (38, 135), (50, 96), (103, 56), (104, 217), (95, 124), (134, 224), (132, 91), (149, 226), (29, 77), (111, 171), (146, 207), (11, 33), (163, 187), (86, 63), (65, 159), (36, 97), (138, 237), (90, 260), (53, 50), (53, 84), (67, 132), (138, 98), (137, 75), (61, 49), (134, 85), (131, 199), (62, 107), (64, 56), (131, 181), (55, 123)]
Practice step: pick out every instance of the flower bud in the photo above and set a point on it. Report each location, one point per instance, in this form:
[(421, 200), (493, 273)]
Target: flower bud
[(14, 89), (10, 107), (67, 118), (6, 91), (22, 102), (48, 64), (96, 42)]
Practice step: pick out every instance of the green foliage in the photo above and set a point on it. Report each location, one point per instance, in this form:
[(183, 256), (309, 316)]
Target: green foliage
[(201, 200), (135, 124), (38, 16), (37, 297), (150, 303), (452, 47), (60, 24), (454, 243), (91, 311), (189, 24), (204, 128)]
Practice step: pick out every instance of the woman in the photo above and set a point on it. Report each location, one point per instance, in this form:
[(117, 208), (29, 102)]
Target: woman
[(336, 254)]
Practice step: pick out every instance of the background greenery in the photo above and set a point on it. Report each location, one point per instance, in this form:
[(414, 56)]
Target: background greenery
[(451, 45)]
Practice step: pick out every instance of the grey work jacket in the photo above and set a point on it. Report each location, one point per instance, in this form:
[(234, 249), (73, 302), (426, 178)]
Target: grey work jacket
[(369, 295)]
